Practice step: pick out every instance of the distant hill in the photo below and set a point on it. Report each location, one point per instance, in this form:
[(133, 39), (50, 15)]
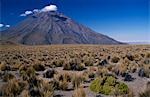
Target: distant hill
[(139, 43), (53, 28), (7, 43)]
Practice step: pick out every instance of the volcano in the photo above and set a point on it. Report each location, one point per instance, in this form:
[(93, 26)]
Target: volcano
[(46, 28)]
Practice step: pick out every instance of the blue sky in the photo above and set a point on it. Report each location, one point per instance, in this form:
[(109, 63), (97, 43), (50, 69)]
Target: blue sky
[(124, 20)]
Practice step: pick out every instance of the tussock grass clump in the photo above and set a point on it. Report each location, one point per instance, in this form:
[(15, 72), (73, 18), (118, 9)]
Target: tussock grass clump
[(61, 81), (39, 67), (115, 59), (4, 67), (8, 76), (58, 63), (79, 92), (15, 67), (88, 61), (102, 71), (27, 72), (146, 93), (25, 93), (77, 80), (91, 75), (13, 88), (47, 89), (74, 64), (147, 55)]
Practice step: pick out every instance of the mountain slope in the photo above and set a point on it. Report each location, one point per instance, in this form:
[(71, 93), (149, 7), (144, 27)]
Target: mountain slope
[(53, 28)]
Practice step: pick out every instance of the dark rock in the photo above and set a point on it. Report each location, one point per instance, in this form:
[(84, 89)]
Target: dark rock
[(99, 96), (49, 73), (108, 57), (103, 62), (34, 92), (128, 77), (141, 72)]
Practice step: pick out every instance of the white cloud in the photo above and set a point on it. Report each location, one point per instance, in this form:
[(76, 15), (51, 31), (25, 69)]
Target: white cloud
[(36, 10), (23, 15), (45, 9), (7, 26), (1, 25), (49, 8), (26, 13)]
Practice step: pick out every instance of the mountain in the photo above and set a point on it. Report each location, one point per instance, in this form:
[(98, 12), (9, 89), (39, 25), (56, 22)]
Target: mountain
[(53, 28)]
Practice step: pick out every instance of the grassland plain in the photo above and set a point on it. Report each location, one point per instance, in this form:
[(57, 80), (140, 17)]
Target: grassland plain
[(75, 71)]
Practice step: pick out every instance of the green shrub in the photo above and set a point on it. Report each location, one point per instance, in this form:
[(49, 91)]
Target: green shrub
[(111, 81), (107, 89), (107, 84), (96, 85), (123, 88)]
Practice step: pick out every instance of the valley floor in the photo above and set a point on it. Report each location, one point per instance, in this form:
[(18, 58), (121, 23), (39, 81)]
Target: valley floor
[(62, 63)]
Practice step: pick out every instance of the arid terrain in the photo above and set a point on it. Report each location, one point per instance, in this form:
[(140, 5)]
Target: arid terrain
[(75, 71)]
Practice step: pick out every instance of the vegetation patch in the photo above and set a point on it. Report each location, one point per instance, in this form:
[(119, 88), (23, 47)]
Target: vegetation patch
[(107, 84)]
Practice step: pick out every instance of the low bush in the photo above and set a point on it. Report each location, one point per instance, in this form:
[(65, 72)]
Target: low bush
[(123, 88), (96, 85), (107, 84), (111, 81)]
